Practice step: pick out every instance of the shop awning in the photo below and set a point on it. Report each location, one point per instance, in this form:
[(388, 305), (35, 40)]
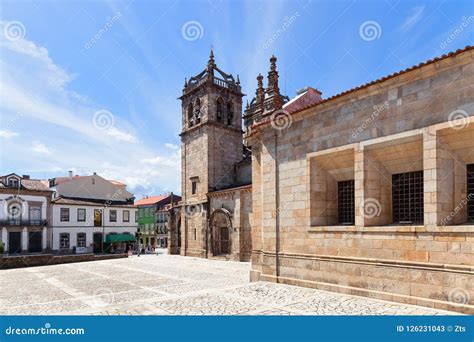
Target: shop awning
[(116, 238)]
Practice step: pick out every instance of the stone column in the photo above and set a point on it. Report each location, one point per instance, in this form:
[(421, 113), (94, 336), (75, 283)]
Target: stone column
[(24, 240), (256, 232), (184, 230), (45, 238), (359, 186), (236, 229), (429, 178), (5, 238), (270, 207)]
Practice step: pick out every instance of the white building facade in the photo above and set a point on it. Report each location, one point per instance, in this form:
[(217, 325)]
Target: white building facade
[(82, 226), (92, 215), (25, 216)]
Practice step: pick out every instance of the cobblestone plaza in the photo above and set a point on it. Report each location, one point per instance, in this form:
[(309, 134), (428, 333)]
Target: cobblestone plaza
[(172, 285)]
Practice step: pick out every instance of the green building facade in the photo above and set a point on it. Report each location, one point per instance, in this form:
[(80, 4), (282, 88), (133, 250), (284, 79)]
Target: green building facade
[(152, 220)]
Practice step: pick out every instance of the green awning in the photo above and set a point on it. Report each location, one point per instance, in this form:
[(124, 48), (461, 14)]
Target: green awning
[(115, 238)]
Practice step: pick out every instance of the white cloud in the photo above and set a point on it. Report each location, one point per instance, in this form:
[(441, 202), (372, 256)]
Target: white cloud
[(161, 161), (39, 147), (54, 75), (122, 136), (37, 91), (171, 146), (7, 134), (413, 18)]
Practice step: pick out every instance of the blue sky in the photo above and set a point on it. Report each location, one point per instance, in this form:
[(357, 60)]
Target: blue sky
[(93, 85)]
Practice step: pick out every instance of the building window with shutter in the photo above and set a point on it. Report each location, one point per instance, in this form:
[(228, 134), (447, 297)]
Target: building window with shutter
[(64, 215), (126, 216), (113, 216), (81, 239), (64, 241), (81, 215)]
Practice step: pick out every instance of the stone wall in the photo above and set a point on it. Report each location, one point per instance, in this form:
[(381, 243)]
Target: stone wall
[(49, 259), (238, 204), (243, 173), (174, 230), (399, 125)]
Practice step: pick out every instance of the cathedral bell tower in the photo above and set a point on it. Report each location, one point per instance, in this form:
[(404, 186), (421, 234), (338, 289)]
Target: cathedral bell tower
[(211, 144)]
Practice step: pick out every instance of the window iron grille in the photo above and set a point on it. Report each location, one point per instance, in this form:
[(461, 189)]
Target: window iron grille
[(407, 198), (345, 202), (470, 193)]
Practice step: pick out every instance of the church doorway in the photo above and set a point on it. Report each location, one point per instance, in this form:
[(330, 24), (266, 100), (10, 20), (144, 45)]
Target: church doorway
[(221, 232)]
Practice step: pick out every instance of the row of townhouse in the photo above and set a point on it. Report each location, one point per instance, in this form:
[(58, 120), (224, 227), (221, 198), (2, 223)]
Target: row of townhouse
[(64, 215), (154, 218)]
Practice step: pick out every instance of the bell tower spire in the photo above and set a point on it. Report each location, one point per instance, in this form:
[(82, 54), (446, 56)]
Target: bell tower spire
[(211, 63), (273, 76), (266, 101), (211, 145)]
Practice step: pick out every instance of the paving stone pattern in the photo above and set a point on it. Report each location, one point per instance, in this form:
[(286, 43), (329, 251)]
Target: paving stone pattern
[(172, 285)]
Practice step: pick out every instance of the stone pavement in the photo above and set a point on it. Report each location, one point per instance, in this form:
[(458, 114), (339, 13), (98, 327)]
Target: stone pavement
[(172, 285)]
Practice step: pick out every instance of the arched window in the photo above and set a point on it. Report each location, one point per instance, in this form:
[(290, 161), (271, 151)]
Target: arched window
[(197, 111), (230, 113), (220, 110), (190, 114)]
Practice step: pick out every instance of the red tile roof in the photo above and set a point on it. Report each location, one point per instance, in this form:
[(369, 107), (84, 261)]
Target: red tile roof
[(150, 200), (308, 97)]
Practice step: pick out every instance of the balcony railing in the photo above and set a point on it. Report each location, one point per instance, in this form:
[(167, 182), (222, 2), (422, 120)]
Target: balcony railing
[(220, 82), (19, 222), (217, 81)]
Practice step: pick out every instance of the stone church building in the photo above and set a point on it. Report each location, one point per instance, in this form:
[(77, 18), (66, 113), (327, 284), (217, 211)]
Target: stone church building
[(369, 192)]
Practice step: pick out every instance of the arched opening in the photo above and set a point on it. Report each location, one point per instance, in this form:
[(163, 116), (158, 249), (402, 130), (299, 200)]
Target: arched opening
[(230, 113), (190, 115), (220, 110), (221, 229), (197, 111)]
